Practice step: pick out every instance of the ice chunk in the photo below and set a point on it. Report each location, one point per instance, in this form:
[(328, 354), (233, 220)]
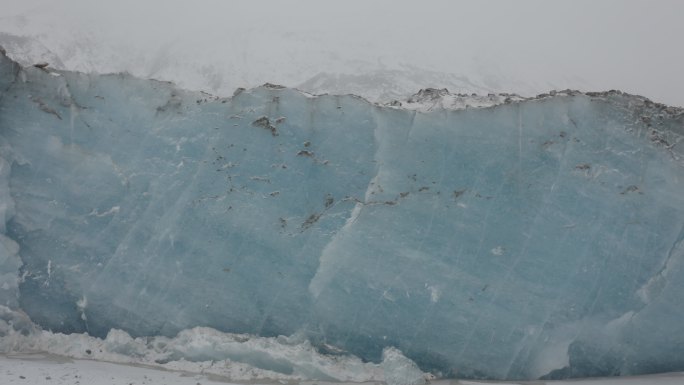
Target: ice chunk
[(399, 370), (535, 238)]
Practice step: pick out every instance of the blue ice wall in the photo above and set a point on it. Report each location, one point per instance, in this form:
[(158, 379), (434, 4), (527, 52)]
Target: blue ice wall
[(540, 238)]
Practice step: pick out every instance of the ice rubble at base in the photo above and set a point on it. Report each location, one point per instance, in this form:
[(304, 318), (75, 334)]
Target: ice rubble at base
[(238, 357), (538, 238)]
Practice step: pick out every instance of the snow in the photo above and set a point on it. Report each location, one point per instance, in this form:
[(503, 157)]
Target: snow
[(431, 99), (221, 55), (46, 369), (383, 51)]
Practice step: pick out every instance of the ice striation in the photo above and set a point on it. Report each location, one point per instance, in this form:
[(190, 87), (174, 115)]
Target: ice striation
[(539, 237)]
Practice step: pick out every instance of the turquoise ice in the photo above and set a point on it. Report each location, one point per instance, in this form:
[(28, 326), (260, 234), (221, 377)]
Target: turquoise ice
[(530, 239)]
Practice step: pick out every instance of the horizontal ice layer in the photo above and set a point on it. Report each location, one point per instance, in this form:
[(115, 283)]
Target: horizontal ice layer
[(535, 238)]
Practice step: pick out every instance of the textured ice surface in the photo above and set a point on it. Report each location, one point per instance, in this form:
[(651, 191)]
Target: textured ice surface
[(535, 238)]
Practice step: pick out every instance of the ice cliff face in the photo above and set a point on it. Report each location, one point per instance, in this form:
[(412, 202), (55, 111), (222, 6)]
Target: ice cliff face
[(534, 238)]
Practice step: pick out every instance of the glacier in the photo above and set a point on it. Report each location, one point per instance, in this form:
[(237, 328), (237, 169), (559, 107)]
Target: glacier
[(534, 238)]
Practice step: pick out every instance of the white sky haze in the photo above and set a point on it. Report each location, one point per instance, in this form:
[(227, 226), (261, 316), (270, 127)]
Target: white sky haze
[(533, 45)]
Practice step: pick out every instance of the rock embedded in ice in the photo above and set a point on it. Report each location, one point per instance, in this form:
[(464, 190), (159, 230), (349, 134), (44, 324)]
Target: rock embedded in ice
[(534, 238)]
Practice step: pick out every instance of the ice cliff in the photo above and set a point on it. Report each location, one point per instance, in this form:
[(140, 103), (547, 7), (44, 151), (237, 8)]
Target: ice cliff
[(533, 238)]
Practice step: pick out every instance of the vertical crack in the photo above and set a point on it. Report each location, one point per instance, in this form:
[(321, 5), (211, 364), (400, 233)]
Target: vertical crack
[(655, 285)]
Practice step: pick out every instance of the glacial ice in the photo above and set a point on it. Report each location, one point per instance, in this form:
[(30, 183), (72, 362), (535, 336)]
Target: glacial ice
[(537, 238)]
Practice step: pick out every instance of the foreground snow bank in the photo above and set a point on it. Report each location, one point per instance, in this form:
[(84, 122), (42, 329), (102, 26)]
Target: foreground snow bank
[(37, 369), (43, 369)]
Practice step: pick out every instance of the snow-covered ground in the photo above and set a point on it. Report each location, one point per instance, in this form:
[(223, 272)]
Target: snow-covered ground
[(44, 369), (34, 369)]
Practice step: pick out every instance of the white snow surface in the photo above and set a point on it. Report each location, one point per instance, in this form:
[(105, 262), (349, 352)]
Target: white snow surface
[(222, 55), (383, 50), (430, 99), (34, 369), (46, 369)]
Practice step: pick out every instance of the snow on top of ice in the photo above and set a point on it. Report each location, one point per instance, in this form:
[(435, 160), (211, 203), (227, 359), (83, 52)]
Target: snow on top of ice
[(425, 100), (385, 52), (430, 99), (198, 68)]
